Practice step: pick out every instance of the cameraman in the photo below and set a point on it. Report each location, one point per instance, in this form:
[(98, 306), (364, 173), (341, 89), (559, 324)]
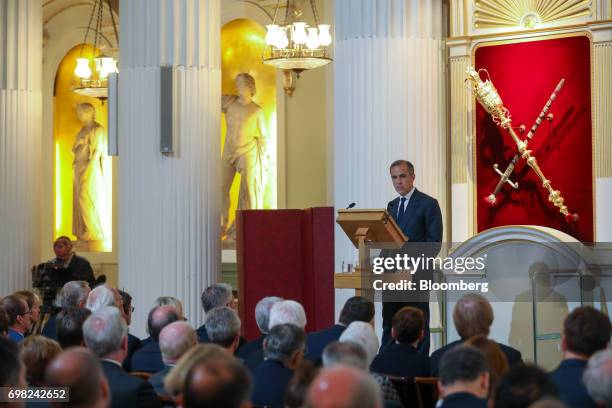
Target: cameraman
[(79, 267)]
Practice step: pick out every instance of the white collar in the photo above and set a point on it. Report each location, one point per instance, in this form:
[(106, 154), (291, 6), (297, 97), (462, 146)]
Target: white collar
[(408, 195), (110, 360)]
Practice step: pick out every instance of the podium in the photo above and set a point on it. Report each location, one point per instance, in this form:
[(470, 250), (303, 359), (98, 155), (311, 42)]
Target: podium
[(363, 227)]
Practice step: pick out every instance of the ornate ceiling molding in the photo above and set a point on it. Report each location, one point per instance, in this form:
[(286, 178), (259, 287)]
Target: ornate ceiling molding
[(527, 13)]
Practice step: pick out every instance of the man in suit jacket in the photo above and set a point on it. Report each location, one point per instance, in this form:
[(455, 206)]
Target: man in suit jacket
[(105, 334), (464, 379), (148, 357), (79, 267), (217, 295), (72, 294), (585, 331), (473, 316), (419, 217), (252, 352)]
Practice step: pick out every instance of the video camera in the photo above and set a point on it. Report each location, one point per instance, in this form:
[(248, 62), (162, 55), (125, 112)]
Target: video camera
[(49, 278)]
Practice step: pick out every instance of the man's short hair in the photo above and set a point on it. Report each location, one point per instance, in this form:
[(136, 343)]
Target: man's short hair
[(4, 322), (345, 353), (69, 323), (403, 163), (216, 295), (170, 301), (598, 377), (14, 305), (408, 323), (473, 315), (29, 296), (175, 340), (287, 312), (363, 334), (586, 330), (360, 389), (160, 317), (462, 364), (127, 301), (37, 353), (262, 312), (523, 385), (222, 326), (356, 309), (218, 380), (283, 341), (73, 293), (100, 297), (104, 331), (10, 369)]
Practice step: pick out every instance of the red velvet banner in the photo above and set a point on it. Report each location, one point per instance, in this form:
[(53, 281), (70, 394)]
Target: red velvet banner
[(525, 75)]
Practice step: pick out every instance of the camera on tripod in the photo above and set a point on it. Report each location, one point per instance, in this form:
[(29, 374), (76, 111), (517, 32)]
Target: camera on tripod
[(49, 278)]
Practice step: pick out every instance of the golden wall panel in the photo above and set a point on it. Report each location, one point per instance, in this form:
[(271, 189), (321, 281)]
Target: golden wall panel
[(459, 119), (602, 59)]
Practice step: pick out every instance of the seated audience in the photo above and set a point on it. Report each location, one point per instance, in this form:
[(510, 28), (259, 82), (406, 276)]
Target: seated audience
[(523, 385), (473, 316), (34, 304), (174, 341), (78, 369), (148, 357), (216, 381), (401, 357), (216, 295), (496, 359), (356, 309), (283, 349), (585, 331), (105, 334), (3, 322), (223, 328), (12, 370), (19, 317), (37, 353), (72, 294), (343, 387), (70, 326), (133, 341), (464, 378), (598, 378), (288, 312), (251, 353), (171, 301)]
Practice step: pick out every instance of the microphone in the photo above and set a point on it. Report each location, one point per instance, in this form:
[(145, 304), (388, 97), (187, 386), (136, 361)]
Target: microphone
[(351, 205)]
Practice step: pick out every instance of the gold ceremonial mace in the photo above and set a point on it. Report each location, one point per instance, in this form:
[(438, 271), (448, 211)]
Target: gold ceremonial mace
[(490, 100)]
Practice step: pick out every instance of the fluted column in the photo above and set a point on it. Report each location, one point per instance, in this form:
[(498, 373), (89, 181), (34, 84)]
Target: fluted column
[(169, 205), (20, 140)]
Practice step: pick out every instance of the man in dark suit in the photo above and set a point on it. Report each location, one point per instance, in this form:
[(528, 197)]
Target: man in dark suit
[(105, 334), (464, 379), (217, 295), (72, 294), (523, 385), (419, 217), (585, 331), (252, 352), (473, 316), (79, 267), (402, 358), (284, 349), (356, 309), (148, 357)]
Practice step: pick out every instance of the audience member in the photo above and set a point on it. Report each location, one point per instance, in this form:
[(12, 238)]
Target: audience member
[(148, 357), (585, 331), (37, 353), (174, 341), (4, 322), (343, 387), (100, 297), (598, 378), (80, 371), (175, 380), (288, 312), (223, 328), (401, 357), (251, 353), (105, 333), (464, 378), (171, 301), (70, 326), (345, 353), (523, 385), (133, 341), (34, 303), (12, 370), (283, 349), (72, 294), (496, 359), (303, 375), (79, 267), (19, 317), (473, 315), (216, 295), (356, 309)]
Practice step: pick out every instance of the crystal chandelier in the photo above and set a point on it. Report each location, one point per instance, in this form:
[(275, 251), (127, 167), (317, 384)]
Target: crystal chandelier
[(294, 45), (94, 83)]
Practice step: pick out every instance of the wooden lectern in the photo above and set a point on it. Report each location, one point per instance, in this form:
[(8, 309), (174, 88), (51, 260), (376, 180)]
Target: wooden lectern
[(364, 226)]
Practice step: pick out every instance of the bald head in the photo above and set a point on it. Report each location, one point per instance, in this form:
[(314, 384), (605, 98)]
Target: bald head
[(80, 370), (343, 387), (160, 317), (175, 340)]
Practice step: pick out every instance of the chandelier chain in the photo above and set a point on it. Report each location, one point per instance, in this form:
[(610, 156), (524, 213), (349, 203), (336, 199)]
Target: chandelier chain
[(93, 11), (315, 13)]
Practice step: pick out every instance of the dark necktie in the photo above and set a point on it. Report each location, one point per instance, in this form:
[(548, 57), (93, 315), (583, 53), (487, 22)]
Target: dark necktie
[(402, 208)]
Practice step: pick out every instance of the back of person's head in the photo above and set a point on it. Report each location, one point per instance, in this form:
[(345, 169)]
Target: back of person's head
[(496, 359), (586, 330), (69, 325), (463, 364), (287, 312), (356, 309), (598, 377), (262, 312), (104, 331), (175, 340), (473, 315), (4, 322), (345, 353), (74, 294), (343, 387), (12, 371), (15, 307), (126, 300), (38, 351), (160, 317), (79, 369), (523, 385), (174, 381), (222, 326), (100, 297), (408, 325), (283, 342), (217, 295), (170, 301), (303, 375), (363, 334), (216, 381)]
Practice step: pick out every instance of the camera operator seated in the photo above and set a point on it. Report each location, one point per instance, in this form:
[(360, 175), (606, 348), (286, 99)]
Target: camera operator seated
[(79, 267)]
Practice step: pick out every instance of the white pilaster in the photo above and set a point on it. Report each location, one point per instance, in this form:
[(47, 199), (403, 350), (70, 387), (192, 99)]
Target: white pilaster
[(20, 137), (169, 204)]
